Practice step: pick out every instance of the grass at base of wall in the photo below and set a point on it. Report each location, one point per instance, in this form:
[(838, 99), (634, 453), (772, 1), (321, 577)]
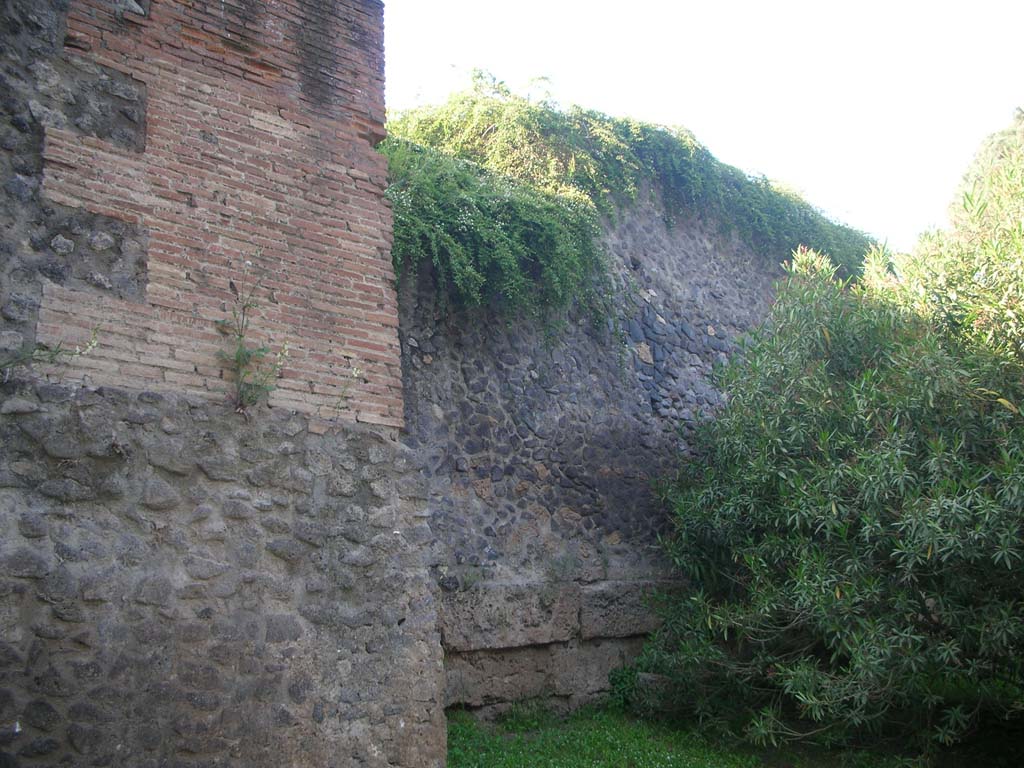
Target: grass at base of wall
[(601, 738)]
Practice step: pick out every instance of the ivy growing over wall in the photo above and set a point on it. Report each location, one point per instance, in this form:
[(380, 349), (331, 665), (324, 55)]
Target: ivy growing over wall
[(490, 238), (523, 207)]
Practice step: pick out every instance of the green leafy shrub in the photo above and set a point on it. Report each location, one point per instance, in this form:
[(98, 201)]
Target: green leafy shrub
[(491, 239), (601, 163), (853, 526), (970, 278)]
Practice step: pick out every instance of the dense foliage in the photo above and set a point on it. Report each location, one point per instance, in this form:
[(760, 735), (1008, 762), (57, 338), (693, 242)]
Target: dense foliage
[(523, 206), (971, 277), (490, 238), (854, 528)]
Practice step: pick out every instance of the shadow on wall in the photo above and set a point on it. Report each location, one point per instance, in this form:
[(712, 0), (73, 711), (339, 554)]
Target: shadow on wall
[(540, 452)]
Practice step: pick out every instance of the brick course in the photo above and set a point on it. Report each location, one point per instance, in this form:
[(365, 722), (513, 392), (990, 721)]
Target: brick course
[(258, 159)]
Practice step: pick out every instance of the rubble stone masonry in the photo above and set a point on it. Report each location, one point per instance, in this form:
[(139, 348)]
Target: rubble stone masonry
[(467, 520), (182, 585)]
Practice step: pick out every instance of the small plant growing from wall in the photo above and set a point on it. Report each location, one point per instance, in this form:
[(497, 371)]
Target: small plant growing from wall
[(46, 355), (344, 390), (253, 367)]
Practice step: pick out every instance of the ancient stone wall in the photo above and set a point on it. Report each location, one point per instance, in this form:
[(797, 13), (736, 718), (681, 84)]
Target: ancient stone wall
[(185, 585), (541, 449), (180, 586)]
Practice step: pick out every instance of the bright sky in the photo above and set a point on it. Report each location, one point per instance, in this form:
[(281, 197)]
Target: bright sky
[(871, 109)]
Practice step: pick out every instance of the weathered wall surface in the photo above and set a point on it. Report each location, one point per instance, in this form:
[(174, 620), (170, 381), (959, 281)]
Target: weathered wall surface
[(153, 160), (181, 587), (541, 452)]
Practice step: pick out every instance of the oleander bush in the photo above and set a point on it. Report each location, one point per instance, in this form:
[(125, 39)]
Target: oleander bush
[(853, 525), (970, 278)]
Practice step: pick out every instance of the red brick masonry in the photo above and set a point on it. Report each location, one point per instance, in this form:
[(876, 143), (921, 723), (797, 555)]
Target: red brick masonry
[(261, 121)]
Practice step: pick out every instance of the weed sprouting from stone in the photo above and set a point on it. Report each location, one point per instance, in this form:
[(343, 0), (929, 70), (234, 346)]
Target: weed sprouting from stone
[(43, 354), (253, 368)]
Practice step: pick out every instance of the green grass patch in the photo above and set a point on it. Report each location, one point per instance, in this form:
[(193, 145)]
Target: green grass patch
[(609, 739)]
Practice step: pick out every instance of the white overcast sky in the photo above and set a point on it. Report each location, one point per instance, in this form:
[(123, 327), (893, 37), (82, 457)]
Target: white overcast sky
[(871, 109)]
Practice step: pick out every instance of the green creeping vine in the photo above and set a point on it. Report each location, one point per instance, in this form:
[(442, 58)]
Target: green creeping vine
[(504, 197), (490, 238)]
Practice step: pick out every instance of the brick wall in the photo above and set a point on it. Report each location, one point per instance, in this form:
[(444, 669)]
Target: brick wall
[(256, 166)]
